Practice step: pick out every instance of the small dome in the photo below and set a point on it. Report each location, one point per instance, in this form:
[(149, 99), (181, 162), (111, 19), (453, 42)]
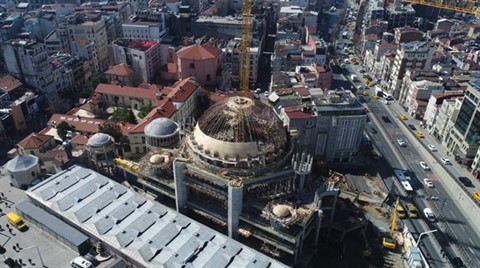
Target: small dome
[(22, 162), (100, 139), (281, 211), (161, 127), (157, 159)]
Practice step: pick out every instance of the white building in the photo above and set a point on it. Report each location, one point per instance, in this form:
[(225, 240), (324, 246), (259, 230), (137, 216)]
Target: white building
[(23, 170), (420, 90), (142, 29), (142, 55), (434, 111), (413, 55)]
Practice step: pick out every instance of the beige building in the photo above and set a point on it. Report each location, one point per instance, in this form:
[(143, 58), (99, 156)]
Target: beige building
[(36, 144)]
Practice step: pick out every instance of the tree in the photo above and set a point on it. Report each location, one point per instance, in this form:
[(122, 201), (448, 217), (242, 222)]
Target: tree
[(124, 115), (144, 110), (63, 128)]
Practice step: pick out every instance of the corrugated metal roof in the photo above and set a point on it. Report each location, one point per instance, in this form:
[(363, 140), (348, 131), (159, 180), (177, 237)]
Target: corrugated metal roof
[(51, 222), (144, 231)]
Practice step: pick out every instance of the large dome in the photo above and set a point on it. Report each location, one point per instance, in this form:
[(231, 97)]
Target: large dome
[(161, 127), (239, 119), (242, 133)]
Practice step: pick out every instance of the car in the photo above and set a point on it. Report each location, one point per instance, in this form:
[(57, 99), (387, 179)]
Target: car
[(424, 166), (412, 127), (457, 262), (445, 161), (432, 148), (428, 182), (266, 93), (465, 181), (429, 215), (375, 96), (80, 262), (476, 195), (419, 134), (373, 130), (403, 117), (386, 102), (402, 143), (386, 119), (365, 93)]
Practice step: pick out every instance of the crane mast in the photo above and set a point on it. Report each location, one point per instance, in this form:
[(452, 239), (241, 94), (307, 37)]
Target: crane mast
[(465, 6), (245, 47)]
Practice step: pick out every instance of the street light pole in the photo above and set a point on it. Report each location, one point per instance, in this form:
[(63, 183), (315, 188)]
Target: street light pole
[(420, 236), (39, 255)]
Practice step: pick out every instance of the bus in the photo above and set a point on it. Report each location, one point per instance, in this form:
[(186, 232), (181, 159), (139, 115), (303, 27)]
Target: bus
[(404, 179)]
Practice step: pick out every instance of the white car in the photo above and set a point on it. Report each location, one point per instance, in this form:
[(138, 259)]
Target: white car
[(432, 148), (386, 102), (445, 161), (424, 166), (266, 93), (428, 182), (402, 143), (429, 214)]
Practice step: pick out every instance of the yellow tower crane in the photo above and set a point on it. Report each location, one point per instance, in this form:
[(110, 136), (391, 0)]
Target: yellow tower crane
[(465, 6), (245, 48)]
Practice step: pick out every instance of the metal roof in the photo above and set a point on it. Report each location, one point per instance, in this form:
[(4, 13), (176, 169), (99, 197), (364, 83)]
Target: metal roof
[(52, 223), (146, 232), (21, 163)]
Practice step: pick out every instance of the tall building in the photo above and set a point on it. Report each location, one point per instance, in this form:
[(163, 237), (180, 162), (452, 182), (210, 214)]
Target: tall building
[(464, 138), (76, 32), (142, 55), (399, 15), (413, 55), (27, 60)]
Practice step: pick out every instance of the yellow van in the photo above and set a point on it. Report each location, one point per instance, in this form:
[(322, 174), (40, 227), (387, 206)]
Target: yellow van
[(16, 221)]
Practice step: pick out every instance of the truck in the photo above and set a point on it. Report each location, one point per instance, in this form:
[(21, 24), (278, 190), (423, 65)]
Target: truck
[(378, 91)]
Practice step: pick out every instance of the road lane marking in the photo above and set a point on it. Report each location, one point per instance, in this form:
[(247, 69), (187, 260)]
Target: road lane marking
[(471, 250), (463, 228), (471, 241)]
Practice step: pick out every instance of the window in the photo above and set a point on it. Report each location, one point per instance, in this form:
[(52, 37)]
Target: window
[(192, 65)]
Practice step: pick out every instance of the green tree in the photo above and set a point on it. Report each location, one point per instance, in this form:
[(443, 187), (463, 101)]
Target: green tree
[(144, 110), (124, 115), (63, 128), (112, 129)]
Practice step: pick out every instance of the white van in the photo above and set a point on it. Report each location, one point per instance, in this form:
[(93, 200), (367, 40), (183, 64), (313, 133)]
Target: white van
[(81, 262)]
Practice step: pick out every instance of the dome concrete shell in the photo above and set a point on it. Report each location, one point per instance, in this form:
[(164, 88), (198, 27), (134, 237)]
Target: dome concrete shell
[(240, 128), (161, 127), (100, 139)]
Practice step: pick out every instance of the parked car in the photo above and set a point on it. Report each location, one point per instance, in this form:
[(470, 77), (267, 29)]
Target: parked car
[(374, 131), (386, 119), (412, 127), (432, 148), (445, 161), (424, 166), (465, 181), (419, 134), (457, 262), (402, 143), (429, 215), (476, 195), (428, 182)]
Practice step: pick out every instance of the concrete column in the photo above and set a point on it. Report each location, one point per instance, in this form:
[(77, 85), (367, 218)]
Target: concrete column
[(235, 206), (180, 188)]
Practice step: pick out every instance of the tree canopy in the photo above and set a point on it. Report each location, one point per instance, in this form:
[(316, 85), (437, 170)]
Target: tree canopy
[(63, 128), (124, 115)]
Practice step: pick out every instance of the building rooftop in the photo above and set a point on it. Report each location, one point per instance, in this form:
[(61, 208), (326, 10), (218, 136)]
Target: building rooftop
[(142, 45), (34, 141), (120, 70), (21, 162), (199, 52), (146, 232), (9, 83)]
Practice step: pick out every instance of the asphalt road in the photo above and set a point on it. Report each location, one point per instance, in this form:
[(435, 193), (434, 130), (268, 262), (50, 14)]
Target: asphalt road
[(456, 234)]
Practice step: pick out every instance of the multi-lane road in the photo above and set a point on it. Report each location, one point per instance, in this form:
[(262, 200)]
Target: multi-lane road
[(456, 234)]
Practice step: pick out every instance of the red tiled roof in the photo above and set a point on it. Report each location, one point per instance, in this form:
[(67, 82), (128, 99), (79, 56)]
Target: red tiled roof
[(80, 140), (304, 92), (199, 52), (120, 70), (298, 115), (182, 90), (34, 141), (81, 124), (132, 92), (9, 82), (165, 110)]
